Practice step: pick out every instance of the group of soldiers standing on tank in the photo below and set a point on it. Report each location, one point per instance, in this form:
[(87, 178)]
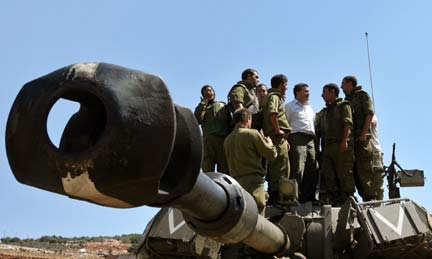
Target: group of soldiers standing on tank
[(329, 154)]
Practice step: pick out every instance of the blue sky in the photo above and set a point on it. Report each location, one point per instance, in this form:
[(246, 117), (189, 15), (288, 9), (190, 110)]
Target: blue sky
[(192, 43)]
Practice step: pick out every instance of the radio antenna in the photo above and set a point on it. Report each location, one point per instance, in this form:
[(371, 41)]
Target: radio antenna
[(370, 70)]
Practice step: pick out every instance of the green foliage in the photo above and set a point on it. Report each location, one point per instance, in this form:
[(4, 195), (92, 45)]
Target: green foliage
[(10, 240), (130, 238)]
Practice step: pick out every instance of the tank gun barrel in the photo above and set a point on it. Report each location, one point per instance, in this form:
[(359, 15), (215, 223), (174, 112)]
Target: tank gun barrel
[(129, 145), (235, 215)]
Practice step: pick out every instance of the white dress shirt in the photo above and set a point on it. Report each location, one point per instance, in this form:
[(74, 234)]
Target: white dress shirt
[(300, 117), (374, 134)]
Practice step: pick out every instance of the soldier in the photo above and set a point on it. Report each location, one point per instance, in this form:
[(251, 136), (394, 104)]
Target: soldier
[(261, 93), (244, 149), (319, 124), (362, 117), (338, 156), (242, 94), (275, 125), (301, 139), (215, 127)]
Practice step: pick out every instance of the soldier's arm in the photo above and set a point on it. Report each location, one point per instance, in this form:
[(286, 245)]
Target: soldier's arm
[(236, 97), (317, 139), (272, 109), (275, 124), (264, 146), (347, 118), (367, 109), (344, 142), (366, 126), (200, 110)]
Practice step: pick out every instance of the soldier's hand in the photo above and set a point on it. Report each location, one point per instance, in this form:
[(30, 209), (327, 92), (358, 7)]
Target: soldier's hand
[(203, 99), (288, 146), (343, 147), (268, 140), (280, 133)]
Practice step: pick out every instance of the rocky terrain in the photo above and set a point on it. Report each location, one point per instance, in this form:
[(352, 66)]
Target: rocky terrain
[(106, 248)]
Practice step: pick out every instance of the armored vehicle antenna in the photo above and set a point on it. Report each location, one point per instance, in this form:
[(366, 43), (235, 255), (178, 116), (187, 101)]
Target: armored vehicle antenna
[(370, 70)]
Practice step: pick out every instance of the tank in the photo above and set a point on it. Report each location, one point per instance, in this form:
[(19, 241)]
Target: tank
[(129, 145)]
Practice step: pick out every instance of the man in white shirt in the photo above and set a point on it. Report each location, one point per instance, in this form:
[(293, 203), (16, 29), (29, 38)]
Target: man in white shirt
[(301, 139), (377, 160)]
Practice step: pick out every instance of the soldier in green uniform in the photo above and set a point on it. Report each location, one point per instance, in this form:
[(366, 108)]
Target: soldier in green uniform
[(319, 123), (338, 156), (261, 92), (242, 94), (276, 126), (244, 149), (215, 127), (362, 117)]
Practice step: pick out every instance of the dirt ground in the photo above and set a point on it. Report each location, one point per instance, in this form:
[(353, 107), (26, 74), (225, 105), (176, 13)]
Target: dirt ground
[(91, 250)]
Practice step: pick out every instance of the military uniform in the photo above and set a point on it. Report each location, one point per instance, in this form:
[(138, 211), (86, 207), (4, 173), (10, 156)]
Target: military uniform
[(319, 124), (280, 167), (215, 127), (363, 168), (244, 149), (337, 167), (243, 92)]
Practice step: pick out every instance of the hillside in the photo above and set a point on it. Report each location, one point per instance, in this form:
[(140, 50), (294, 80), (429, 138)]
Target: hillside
[(48, 247)]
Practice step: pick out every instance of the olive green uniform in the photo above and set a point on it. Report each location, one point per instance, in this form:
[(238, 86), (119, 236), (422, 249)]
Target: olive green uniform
[(280, 167), (319, 124), (363, 168), (244, 149), (337, 167), (243, 92), (215, 128)]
